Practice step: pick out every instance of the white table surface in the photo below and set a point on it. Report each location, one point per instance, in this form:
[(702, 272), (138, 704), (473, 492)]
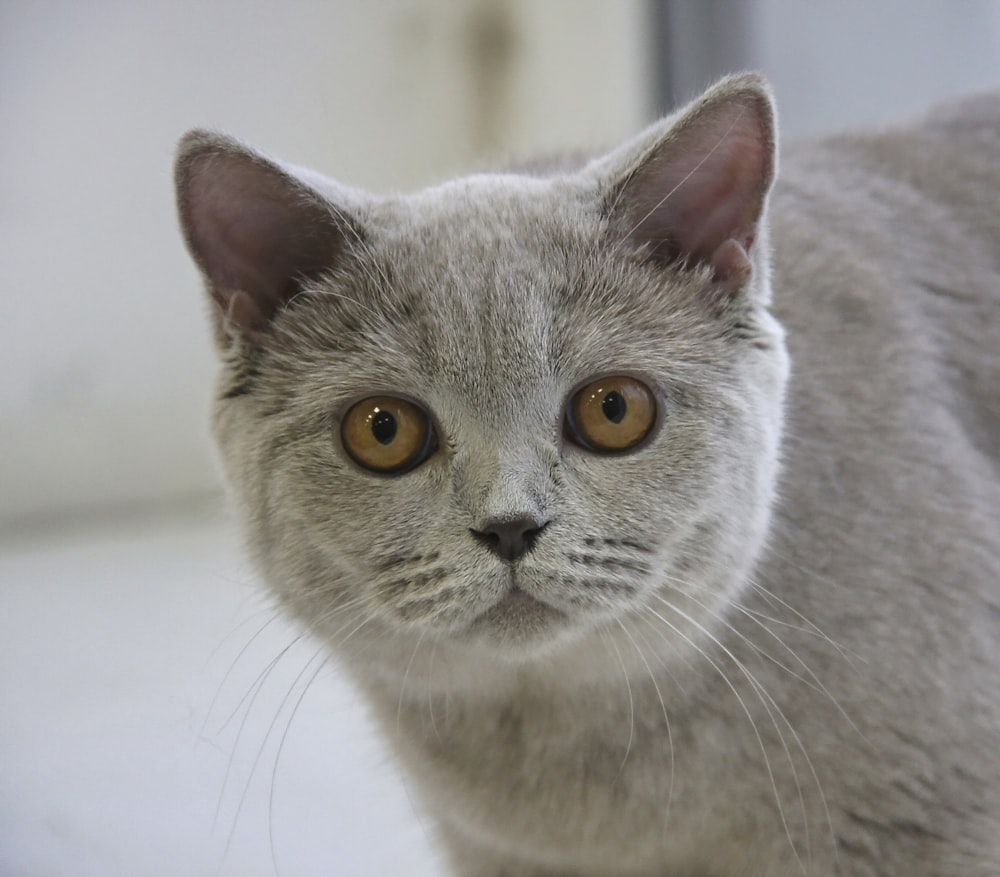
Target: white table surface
[(138, 737)]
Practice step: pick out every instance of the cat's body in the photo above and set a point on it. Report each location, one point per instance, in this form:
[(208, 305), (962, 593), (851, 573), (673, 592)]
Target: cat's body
[(693, 688)]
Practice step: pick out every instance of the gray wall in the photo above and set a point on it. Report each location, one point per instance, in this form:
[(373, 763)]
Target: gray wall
[(835, 64)]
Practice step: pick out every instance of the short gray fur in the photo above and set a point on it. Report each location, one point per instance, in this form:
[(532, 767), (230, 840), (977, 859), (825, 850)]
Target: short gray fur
[(713, 664)]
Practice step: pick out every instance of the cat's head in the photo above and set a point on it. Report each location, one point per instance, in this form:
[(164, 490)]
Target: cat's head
[(510, 411)]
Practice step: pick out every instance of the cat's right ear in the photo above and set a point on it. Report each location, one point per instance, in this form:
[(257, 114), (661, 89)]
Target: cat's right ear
[(257, 232)]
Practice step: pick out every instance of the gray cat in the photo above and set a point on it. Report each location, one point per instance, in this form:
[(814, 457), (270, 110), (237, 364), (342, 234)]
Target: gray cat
[(511, 446)]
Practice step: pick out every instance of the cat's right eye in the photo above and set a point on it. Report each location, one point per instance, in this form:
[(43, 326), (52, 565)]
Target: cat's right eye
[(387, 434)]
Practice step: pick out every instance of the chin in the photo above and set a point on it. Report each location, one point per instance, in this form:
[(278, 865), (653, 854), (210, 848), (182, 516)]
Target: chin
[(519, 628)]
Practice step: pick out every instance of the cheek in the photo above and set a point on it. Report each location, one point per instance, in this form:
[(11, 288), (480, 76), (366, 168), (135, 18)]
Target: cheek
[(661, 481), (371, 517)]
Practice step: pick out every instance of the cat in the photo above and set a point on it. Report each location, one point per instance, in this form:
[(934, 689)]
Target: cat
[(633, 584)]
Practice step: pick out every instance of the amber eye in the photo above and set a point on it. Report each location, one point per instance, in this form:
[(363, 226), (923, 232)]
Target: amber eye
[(387, 434), (611, 414)]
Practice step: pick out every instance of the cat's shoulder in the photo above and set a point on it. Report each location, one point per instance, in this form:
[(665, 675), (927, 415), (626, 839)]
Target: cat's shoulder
[(960, 138), (952, 139), (908, 174), (976, 113), (867, 219)]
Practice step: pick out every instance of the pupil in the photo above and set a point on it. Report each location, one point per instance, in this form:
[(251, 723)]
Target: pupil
[(614, 406), (384, 427)]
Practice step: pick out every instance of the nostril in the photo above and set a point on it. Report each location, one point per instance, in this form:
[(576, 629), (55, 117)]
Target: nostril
[(510, 538)]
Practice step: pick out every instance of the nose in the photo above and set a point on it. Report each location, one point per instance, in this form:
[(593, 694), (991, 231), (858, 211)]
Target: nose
[(510, 538)]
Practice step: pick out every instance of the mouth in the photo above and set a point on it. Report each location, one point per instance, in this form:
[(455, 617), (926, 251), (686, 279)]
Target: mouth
[(519, 601), (518, 620), (515, 600)]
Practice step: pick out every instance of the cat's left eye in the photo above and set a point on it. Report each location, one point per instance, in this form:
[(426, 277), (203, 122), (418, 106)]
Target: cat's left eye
[(387, 434), (611, 414)]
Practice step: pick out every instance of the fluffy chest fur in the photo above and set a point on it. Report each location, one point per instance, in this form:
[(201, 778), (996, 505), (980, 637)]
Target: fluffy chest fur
[(511, 447)]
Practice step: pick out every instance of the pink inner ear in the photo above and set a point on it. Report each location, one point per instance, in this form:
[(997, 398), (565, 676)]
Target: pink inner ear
[(246, 246), (731, 266), (242, 311), (705, 184), (257, 233)]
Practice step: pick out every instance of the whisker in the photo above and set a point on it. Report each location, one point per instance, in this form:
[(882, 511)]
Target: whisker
[(676, 654), (277, 759), (430, 694), (237, 628), (816, 687), (845, 653), (232, 666), (798, 628), (687, 593), (255, 686), (406, 675), (250, 698), (631, 703), (818, 683), (270, 666), (260, 752), (746, 711), (666, 718)]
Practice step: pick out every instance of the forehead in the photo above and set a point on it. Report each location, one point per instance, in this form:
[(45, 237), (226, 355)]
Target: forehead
[(481, 239), (485, 263)]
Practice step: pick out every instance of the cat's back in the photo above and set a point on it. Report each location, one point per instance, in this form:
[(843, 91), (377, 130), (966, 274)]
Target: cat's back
[(887, 526), (887, 273), (945, 163), (887, 280)]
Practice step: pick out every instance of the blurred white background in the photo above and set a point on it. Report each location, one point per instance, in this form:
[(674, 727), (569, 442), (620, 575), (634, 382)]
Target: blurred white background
[(129, 654)]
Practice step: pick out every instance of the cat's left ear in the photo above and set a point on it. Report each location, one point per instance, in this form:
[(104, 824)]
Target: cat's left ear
[(693, 189)]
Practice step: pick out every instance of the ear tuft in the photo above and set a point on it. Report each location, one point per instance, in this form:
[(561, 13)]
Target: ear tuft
[(257, 233), (696, 187)]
